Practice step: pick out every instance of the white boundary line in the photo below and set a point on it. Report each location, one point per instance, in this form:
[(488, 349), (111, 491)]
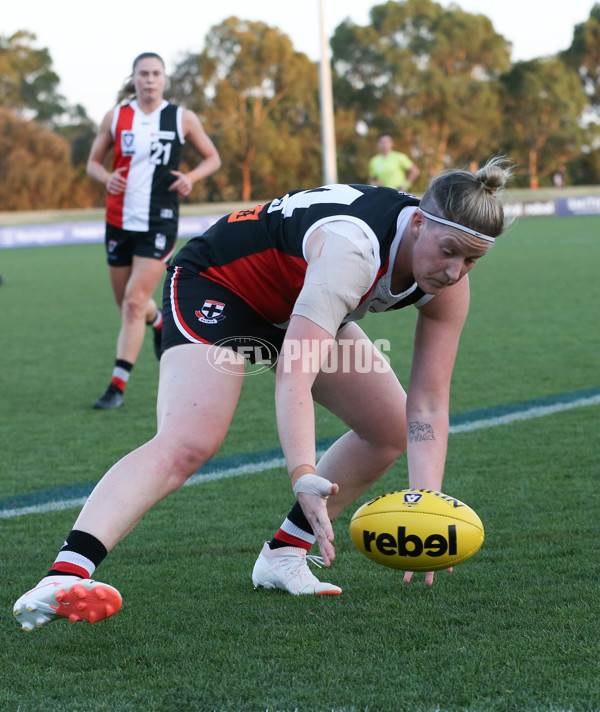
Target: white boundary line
[(529, 414), (277, 462)]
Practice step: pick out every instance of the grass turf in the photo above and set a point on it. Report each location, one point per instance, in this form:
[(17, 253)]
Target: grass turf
[(515, 628)]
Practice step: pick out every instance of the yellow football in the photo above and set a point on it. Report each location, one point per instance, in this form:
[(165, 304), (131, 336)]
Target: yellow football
[(416, 530)]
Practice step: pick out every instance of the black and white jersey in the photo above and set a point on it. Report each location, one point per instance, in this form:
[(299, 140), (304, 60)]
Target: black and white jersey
[(259, 254), (148, 146)]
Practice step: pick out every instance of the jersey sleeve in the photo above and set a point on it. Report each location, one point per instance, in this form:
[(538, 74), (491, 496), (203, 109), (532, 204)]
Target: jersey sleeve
[(338, 278)]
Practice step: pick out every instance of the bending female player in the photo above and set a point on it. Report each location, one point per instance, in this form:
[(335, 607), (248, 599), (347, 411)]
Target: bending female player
[(298, 273)]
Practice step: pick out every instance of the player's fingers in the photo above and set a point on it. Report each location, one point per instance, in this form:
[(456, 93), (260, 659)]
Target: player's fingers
[(325, 524), (314, 507), (407, 576), (429, 578), (324, 534), (182, 180), (321, 525), (323, 531), (327, 550), (181, 186)]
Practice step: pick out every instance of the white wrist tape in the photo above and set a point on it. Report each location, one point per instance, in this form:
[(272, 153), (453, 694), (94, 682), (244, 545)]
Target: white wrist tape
[(312, 484)]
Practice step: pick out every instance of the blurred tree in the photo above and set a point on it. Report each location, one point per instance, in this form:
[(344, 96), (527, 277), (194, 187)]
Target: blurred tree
[(438, 79), (583, 55), (85, 192), (542, 104), (426, 74), (258, 99), (585, 169), (35, 165), (28, 85), (28, 89)]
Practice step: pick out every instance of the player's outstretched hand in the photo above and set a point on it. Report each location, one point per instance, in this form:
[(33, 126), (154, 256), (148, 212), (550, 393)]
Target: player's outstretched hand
[(428, 576), (315, 510)]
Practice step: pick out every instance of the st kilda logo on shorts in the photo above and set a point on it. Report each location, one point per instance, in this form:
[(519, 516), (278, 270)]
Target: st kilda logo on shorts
[(211, 312)]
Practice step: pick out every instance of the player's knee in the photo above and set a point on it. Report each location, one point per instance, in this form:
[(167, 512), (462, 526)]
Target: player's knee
[(188, 458), (392, 450), (396, 440), (388, 442), (134, 307), (384, 429)]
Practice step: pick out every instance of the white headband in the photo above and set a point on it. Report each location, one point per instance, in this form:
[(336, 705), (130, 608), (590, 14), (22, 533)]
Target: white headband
[(457, 226)]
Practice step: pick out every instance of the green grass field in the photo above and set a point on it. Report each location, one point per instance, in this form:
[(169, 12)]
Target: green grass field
[(516, 628)]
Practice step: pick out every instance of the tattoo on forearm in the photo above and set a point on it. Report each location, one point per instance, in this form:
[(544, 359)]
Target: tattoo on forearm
[(418, 431)]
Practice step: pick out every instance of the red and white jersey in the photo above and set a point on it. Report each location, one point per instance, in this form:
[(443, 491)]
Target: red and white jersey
[(149, 147)]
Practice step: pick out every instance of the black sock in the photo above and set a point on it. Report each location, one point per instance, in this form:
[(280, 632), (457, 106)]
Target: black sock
[(295, 531), (157, 322), (121, 373), (80, 555)]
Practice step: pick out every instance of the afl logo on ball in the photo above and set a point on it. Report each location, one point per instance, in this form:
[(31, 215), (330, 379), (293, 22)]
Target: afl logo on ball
[(412, 497)]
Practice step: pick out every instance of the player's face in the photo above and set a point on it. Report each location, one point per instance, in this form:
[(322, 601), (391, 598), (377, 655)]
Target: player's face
[(149, 79), (443, 255)]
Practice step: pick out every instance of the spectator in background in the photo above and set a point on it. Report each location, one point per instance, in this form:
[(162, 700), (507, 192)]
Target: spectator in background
[(558, 177), (391, 169), (142, 203)]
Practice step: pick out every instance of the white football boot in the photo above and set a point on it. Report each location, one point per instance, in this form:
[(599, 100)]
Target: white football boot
[(287, 569), (68, 597)]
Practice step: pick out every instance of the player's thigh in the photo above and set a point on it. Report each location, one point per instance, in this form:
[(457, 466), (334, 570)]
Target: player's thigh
[(146, 274), (119, 277), (196, 400), (363, 390)]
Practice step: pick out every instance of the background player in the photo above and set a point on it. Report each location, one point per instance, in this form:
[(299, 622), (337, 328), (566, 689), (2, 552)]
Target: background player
[(142, 204)]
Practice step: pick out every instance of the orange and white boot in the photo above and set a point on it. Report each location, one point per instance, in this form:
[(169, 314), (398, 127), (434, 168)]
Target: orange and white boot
[(67, 597)]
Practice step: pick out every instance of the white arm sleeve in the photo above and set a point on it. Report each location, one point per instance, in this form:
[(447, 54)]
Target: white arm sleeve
[(338, 277)]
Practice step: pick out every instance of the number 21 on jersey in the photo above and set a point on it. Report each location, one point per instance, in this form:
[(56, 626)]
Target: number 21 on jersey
[(160, 153)]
